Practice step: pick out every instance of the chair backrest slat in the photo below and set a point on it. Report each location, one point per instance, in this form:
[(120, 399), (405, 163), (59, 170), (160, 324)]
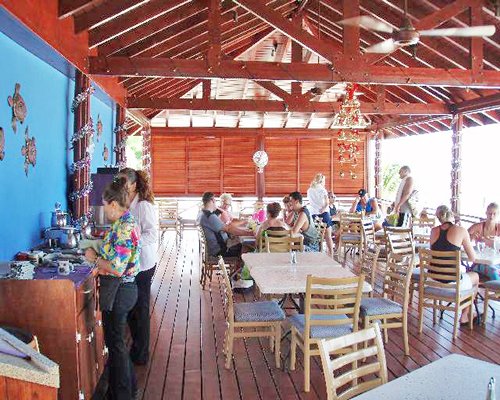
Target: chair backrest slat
[(397, 279), (283, 244), (439, 269), (228, 291)]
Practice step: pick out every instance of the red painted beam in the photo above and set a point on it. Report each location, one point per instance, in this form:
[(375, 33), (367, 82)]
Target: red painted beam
[(347, 72), (71, 7), (478, 105), (281, 106)]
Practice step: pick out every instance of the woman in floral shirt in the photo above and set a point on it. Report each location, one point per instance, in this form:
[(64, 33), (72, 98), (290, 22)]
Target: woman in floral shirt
[(119, 258)]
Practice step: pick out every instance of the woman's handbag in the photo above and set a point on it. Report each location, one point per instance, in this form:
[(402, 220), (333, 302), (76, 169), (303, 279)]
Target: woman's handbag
[(108, 287)]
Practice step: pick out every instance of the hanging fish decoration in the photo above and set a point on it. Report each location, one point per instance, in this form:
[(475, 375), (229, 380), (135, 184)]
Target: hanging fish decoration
[(105, 153), (19, 109), (28, 151), (99, 127), (2, 144)]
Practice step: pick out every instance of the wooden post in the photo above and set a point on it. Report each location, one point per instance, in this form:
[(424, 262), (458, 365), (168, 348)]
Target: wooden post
[(119, 135), (261, 179), (81, 176), (456, 163), (378, 180)]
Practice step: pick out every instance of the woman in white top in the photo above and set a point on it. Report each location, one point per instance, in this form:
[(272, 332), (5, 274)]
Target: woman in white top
[(319, 206), (142, 208)]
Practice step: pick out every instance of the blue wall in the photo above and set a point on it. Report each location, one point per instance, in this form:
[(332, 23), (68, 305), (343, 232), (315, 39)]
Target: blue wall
[(26, 201)]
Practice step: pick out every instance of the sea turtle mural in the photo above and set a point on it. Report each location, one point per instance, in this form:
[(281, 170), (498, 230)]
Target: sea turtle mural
[(19, 109), (28, 151), (105, 153), (2, 144)]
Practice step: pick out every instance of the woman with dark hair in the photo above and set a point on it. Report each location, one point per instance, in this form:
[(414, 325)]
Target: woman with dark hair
[(272, 223), (117, 264), (142, 208)]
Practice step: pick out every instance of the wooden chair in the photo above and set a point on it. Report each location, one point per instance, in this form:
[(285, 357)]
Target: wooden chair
[(271, 233), (373, 372), (491, 292), (253, 319), (350, 235), (321, 228), (423, 223), (392, 309), (331, 310), (443, 265), (370, 265), (168, 213), (283, 244), (370, 239), (210, 264)]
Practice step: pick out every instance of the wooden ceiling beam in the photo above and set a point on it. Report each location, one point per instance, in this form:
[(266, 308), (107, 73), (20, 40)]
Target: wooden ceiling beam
[(348, 72), (294, 32), (281, 106), (350, 34), (102, 12), (444, 14), (477, 105), (247, 132), (67, 8), (125, 22), (214, 33), (148, 35)]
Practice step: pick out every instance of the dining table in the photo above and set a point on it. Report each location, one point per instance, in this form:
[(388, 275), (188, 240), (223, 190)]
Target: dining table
[(454, 377), (274, 274)]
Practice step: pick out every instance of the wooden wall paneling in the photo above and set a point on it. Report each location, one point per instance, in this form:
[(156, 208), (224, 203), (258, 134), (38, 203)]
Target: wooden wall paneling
[(314, 157), (281, 171), (168, 165), (347, 185), (238, 167), (204, 165)]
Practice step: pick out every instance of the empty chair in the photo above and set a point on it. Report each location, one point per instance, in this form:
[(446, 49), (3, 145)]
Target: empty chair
[(321, 228), (491, 292), (331, 310), (440, 286), (392, 309), (370, 265), (168, 213), (283, 244), (363, 353), (370, 239), (350, 234), (253, 319)]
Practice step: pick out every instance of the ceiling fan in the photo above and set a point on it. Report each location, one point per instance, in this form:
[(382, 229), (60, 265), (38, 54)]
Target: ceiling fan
[(407, 35)]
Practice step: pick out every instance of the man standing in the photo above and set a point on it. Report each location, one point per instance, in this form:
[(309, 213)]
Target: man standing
[(404, 192)]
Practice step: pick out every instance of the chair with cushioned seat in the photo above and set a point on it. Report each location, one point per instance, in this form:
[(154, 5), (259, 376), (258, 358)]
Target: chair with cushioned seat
[(254, 319), (342, 382), (392, 309), (370, 265), (350, 234), (331, 310), (442, 265), (491, 292)]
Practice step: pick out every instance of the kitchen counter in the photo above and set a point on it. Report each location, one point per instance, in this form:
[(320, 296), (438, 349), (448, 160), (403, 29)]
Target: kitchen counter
[(35, 367)]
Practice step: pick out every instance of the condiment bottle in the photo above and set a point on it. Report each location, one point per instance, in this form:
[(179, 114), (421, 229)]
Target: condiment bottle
[(490, 394)]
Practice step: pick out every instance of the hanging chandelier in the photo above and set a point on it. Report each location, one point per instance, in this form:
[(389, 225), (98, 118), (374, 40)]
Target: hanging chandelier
[(349, 116)]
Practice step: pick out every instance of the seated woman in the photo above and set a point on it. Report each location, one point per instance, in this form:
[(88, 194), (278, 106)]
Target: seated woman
[(304, 223), (225, 208), (332, 204), (318, 203), (486, 231), (450, 237), (272, 223), (289, 215), (369, 206)]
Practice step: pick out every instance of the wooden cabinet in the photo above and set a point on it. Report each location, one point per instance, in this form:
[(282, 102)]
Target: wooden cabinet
[(68, 327)]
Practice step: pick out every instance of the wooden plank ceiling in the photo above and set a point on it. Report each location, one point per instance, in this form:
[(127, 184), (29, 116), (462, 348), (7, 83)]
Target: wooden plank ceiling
[(205, 63)]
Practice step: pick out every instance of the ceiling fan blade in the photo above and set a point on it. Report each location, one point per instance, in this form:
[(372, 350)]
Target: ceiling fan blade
[(367, 22), (483, 30), (387, 46)]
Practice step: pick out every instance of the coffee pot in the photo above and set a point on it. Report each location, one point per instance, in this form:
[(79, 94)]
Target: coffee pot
[(59, 217)]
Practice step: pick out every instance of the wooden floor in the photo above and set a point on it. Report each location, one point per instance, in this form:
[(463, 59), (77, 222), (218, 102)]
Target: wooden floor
[(187, 330)]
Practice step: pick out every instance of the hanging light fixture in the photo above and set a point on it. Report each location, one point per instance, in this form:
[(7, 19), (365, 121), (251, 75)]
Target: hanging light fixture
[(260, 158), (349, 116)]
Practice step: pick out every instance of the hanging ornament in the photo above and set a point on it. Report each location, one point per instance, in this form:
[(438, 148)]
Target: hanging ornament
[(81, 97), (349, 115), (19, 109), (98, 127), (105, 153), (2, 144), (260, 158), (28, 151)]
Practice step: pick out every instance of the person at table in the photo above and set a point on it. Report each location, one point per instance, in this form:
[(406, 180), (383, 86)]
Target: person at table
[(318, 203), (273, 222), (289, 215), (332, 204), (225, 208), (141, 198), (118, 257), (487, 231), (363, 203), (405, 189), (304, 224), (450, 237), (216, 232)]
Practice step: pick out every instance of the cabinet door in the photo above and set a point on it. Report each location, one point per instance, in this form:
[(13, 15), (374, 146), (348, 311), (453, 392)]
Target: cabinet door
[(100, 347), (87, 352)]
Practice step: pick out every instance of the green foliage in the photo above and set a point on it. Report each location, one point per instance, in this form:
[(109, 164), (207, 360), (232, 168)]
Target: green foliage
[(390, 181), (134, 152)]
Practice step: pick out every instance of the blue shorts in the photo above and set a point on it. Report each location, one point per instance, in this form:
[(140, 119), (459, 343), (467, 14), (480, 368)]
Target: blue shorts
[(325, 217)]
